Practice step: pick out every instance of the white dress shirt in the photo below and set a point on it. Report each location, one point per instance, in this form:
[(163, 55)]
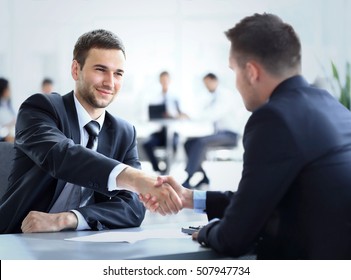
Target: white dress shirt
[(170, 100), (83, 119), (223, 108)]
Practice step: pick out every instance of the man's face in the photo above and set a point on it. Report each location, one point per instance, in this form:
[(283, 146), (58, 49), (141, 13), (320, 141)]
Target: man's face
[(211, 84), (100, 79), (165, 81), (7, 93), (47, 88)]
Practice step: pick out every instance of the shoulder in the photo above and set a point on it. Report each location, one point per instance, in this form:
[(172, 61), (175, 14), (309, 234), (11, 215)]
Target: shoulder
[(227, 95), (265, 115), (50, 104), (40, 99), (117, 122), (270, 121)]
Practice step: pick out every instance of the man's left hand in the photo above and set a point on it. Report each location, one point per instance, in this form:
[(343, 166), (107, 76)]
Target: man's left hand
[(46, 222), (195, 235)]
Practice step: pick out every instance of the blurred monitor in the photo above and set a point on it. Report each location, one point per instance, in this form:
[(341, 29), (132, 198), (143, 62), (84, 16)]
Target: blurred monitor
[(157, 112)]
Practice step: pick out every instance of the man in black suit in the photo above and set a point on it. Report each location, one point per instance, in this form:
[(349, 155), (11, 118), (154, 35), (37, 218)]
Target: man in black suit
[(62, 178), (294, 197)]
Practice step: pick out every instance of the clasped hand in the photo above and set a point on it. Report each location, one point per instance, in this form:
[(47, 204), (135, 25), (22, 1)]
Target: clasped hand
[(180, 197), (162, 198)]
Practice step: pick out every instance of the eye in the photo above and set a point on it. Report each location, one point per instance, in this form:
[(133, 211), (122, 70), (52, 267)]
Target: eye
[(119, 74), (100, 69)]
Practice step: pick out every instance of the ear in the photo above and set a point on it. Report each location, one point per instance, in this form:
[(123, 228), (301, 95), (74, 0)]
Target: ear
[(252, 71), (75, 68)]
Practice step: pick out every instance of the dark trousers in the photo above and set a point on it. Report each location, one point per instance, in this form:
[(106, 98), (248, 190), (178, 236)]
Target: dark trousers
[(158, 139), (196, 148)]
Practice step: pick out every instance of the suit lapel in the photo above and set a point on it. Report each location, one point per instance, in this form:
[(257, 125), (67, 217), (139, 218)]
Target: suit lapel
[(107, 138), (71, 130), (72, 117)]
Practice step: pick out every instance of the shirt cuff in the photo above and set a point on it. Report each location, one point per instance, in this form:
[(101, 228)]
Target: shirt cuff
[(112, 182), (82, 223), (199, 200)]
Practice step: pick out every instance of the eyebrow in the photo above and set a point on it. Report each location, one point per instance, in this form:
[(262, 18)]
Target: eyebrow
[(105, 67)]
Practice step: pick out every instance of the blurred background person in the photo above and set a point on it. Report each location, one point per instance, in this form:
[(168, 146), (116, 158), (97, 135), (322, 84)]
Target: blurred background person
[(47, 86), (171, 111), (225, 111), (7, 113)]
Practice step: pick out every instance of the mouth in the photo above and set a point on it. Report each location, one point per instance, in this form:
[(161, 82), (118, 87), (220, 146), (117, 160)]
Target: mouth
[(104, 91)]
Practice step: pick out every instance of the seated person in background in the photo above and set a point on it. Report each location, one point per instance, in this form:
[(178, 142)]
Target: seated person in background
[(76, 166), (222, 108), (294, 196), (47, 86), (7, 113), (159, 138)]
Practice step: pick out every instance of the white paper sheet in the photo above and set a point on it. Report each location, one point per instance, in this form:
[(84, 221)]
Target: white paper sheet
[(130, 237)]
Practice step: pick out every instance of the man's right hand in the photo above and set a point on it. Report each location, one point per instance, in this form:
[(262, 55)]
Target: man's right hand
[(161, 192), (185, 195)]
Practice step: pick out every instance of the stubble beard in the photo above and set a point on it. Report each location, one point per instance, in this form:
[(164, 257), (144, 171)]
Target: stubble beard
[(89, 96)]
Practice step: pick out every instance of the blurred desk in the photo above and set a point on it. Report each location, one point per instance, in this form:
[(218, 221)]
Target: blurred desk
[(53, 246)]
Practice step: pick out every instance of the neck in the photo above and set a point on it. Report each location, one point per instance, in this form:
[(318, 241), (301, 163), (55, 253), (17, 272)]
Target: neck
[(95, 114), (274, 81)]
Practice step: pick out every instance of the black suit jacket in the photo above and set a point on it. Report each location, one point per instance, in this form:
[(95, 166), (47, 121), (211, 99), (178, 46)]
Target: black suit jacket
[(294, 197), (48, 155)]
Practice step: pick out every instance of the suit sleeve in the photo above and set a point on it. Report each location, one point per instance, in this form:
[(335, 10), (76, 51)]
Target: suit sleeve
[(271, 163), (43, 134), (216, 203), (39, 135), (123, 209)]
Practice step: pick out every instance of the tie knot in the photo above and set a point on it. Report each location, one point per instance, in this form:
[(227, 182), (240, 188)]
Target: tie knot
[(93, 128)]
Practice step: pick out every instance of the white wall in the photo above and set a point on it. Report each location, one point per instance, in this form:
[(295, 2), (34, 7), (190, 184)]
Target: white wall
[(182, 36)]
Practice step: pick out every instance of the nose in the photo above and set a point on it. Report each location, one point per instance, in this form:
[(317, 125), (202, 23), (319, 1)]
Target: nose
[(109, 80)]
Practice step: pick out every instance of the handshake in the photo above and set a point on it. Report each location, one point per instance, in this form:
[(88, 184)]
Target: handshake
[(166, 196), (162, 194)]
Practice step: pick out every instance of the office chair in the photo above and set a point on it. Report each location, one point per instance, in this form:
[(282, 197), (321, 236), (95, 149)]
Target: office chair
[(7, 153)]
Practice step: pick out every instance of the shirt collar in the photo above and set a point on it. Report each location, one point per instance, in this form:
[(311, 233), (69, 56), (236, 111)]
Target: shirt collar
[(84, 117)]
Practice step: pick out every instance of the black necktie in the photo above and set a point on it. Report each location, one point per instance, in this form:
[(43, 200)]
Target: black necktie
[(93, 129)]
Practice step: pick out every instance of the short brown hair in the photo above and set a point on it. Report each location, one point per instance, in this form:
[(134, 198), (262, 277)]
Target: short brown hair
[(99, 39), (268, 39)]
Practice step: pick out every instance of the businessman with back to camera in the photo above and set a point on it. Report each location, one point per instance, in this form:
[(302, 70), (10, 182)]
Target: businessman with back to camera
[(294, 197), (76, 166)]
